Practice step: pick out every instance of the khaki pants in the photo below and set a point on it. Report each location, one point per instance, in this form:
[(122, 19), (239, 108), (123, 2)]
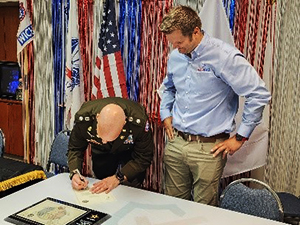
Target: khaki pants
[(191, 167)]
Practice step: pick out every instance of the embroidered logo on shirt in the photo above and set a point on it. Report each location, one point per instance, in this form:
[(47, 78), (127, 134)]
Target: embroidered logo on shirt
[(129, 140), (204, 68)]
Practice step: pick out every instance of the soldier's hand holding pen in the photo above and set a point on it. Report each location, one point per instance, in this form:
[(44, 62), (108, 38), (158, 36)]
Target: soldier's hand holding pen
[(79, 182)]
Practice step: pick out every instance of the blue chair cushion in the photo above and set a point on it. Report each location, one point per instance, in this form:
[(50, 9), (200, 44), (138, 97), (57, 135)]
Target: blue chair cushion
[(257, 202), (290, 203), (59, 148)]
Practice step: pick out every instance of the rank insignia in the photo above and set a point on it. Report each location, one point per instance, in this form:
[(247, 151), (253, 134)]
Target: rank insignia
[(89, 133), (94, 216), (147, 127), (129, 140)]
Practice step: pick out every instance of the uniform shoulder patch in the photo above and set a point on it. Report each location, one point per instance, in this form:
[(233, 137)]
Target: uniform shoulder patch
[(129, 140), (147, 126)]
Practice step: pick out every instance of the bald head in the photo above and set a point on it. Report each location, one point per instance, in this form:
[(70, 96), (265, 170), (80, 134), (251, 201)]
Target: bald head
[(110, 122)]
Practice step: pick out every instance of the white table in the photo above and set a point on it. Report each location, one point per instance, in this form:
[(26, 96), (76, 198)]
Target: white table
[(132, 206)]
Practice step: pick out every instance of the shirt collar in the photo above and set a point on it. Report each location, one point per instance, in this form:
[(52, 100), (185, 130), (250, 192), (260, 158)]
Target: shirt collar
[(197, 51)]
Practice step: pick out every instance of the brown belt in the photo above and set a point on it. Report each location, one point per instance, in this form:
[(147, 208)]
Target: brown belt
[(191, 137)]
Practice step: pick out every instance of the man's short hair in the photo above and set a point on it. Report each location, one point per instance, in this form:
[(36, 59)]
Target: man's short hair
[(181, 18)]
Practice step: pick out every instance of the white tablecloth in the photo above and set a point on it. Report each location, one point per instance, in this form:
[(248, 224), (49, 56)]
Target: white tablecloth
[(131, 206)]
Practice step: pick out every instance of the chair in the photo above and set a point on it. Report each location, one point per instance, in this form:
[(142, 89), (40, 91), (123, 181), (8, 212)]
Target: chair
[(2, 143), (291, 207), (58, 160), (261, 202)]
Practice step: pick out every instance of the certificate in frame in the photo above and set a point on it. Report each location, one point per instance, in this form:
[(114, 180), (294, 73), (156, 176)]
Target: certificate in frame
[(50, 211)]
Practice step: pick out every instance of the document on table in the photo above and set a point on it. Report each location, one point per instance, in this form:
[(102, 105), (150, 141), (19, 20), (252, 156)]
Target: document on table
[(52, 211), (85, 197)]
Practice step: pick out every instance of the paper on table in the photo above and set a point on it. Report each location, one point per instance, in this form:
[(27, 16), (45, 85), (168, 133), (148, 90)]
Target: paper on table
[(85, 197)]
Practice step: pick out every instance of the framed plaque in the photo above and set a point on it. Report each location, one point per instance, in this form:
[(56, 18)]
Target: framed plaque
[(50, 211)]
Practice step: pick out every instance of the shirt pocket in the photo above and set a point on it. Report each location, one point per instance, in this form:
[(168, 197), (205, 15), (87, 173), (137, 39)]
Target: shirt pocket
[(203, 83)]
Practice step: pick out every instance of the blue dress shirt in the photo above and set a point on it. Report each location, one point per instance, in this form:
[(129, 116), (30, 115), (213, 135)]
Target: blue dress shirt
[(201, 92)]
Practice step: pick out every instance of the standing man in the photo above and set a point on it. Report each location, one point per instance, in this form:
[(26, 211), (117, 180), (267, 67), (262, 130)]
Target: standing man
[(121, 141), (204, 79)]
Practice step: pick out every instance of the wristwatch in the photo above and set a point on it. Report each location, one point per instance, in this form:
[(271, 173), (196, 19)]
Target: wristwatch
[(119, 175), (73, 173), (239, 137)]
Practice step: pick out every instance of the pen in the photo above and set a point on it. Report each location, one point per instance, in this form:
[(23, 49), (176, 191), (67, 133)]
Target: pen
[(80, 176)]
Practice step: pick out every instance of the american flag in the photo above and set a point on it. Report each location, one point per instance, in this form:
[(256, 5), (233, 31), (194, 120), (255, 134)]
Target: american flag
[(109, 78)]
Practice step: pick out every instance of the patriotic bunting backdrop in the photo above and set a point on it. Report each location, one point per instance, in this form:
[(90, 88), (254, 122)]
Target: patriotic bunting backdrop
[(154, 55), (117, 51), (85, 23), (58, 39), (130, 39)]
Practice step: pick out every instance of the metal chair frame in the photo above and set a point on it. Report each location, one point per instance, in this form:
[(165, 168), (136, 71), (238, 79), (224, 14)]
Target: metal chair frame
[(243, 180)]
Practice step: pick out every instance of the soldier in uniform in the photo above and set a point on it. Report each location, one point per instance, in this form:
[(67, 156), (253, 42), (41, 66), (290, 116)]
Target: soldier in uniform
[(121, 142)]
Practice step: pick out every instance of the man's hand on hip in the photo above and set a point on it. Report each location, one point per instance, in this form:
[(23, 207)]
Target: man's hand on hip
[(169, 128), (229, 146)]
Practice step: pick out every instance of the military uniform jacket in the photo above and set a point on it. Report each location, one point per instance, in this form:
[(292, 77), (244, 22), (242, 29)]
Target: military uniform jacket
[(136, 136)]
